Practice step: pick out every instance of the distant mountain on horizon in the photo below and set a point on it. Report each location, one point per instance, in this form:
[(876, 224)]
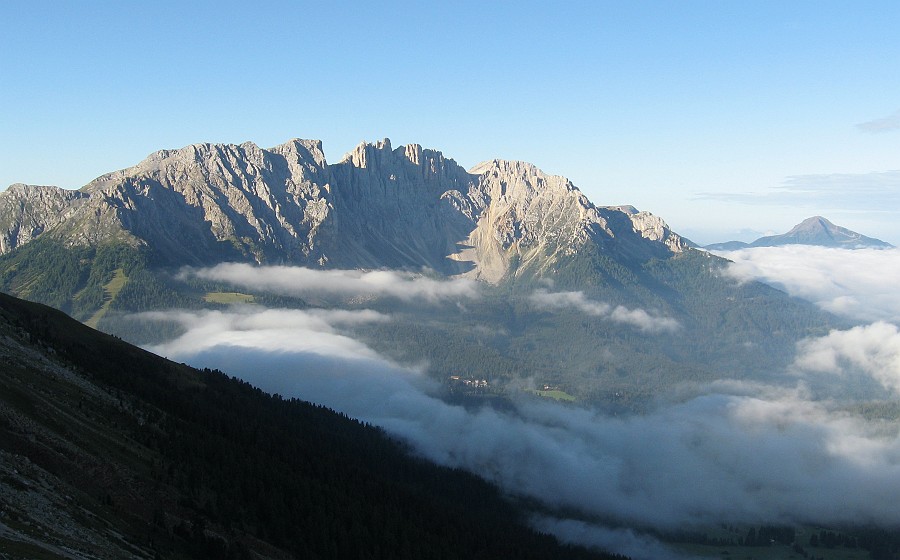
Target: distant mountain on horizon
[(816, 231)]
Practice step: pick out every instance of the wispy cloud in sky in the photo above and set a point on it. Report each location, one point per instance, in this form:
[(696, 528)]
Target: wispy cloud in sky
[(870, 350), (884, 124), (316, 331), (876, 192)]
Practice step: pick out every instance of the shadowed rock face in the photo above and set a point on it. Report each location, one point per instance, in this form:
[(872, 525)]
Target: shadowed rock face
[(407, 207)]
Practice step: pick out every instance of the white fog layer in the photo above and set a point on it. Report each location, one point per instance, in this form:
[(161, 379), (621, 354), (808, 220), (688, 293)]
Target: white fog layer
[(860, 284), (737, 453)]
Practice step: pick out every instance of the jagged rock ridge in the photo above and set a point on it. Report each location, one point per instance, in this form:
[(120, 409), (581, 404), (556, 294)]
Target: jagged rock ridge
[(407, 207)]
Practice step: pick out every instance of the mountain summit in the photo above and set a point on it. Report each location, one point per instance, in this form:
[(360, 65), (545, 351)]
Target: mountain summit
[(811, 231), (819, 231)]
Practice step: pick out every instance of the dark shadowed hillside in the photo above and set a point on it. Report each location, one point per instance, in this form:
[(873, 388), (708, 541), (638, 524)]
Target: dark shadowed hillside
[(108, 451)]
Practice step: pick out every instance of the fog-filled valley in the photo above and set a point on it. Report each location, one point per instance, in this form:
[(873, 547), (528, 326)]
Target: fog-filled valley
[(809, 439)]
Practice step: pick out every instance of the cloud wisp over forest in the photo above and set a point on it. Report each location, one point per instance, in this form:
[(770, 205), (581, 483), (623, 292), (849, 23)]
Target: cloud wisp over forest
[(299, 281), (736, 453), (639, 318)]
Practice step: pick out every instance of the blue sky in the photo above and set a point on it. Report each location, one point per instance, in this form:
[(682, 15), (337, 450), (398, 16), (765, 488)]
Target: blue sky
[(718, 116)]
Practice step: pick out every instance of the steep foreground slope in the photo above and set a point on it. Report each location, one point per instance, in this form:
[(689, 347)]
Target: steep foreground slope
[(107, 451)]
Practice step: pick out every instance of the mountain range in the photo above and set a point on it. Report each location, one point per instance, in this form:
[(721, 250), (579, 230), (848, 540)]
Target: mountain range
[(378, 207), (811, 231), (553, 269)]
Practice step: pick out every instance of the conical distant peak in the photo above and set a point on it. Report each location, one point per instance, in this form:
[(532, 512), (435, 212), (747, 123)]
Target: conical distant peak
[(816, 220), (820, 231)]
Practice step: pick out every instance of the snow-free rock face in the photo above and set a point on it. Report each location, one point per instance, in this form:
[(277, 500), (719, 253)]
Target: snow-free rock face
[(209, 202), (27, 211), (407, 207), (655, 229), (403, 207)]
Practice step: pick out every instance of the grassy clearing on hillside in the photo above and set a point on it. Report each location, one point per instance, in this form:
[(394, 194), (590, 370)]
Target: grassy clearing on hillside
[(227, 298), (111, 289), (555, 394)]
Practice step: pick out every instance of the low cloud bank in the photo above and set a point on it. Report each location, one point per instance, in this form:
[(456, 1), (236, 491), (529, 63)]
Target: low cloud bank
[(752, 455), (624, 541), (864, 351), (741, 453), (298, 281), (860, 284), (543, 299), (267, 330)]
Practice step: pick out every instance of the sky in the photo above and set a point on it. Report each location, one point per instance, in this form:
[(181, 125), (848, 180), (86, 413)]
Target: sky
[(727, 119)]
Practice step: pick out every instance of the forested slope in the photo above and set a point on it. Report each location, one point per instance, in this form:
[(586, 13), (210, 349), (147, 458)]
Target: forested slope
[(110, 451)]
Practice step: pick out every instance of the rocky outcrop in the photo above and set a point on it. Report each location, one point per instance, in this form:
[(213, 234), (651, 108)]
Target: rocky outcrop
[(526, 220), (403, 207), (655, 229), (379, 206), (27, 211)]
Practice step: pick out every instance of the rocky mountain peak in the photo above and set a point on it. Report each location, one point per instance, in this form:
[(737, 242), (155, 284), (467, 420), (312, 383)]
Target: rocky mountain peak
[(382, 157), (815, 223), (654, 228), (366, 154)]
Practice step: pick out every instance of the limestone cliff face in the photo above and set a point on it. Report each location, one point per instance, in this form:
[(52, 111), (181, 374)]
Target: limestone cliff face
[(206, 202), (654, 228), (407, 207), (27, 211), (530, 221), (404, 207), (526, 220)]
